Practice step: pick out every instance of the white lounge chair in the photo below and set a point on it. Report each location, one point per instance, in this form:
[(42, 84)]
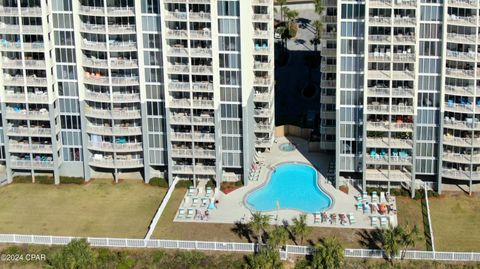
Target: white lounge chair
[(383, 222), (317, 217), (181, 213), (191, 191), (351, 218), (204, 202), (190, 213), (195, 202), (382, 197), (208, 191)]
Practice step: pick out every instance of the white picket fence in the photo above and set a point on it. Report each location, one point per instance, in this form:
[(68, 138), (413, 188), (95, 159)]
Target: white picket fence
[(228, 246)]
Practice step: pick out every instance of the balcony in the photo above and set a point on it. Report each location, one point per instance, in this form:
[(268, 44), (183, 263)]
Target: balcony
[(115, 113), (182, 169), (386, 126), (456, 157), (205, 169), (201, 52), (379, 38), (177, 51), (181, 153), (177, 34), (458, 90), (466, 107), (262, 65), (462, 20), (461, 73), (204, 137), (263, 128), (461, 38), (264, 142), (202, 69), (201, 34), (385, 175), (110, 163), (204, 153), (262, 17), (32, 131), (457, 141), (262, 2), (456, 174), (178, 68), (26, 147), (203, 120), (93, 28), (462, 56), (263, 113), (199, 16), (175, 15), (207, 104), (180, 119), (262, 50), (31, 164), (120, 11), (262, 81), (129, 45), (180, 103), (127, 80), (404, 21), (92, 10), (107, 146), (124, 63), (379, 21), (117, 130), (262, 33), (463, 3), (264, 97), (408, 39), (121, 29), (180, 136), (41, 114)]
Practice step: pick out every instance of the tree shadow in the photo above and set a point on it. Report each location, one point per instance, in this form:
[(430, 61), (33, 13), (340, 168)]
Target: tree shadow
[(291, 235), (370, 239), (303, 23), (242, 230)]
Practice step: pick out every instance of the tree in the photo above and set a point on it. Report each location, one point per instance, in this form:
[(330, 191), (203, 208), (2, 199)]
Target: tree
[(318, 7), (259, 224), (281, 3), (392, 240), (77, 254), (266, 258), (278, 237), (318, 25), (329, 253), (409, 239), (300, 227)]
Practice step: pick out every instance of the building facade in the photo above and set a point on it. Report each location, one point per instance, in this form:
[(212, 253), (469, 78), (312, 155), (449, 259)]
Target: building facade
[(174, 88), (401, 78)]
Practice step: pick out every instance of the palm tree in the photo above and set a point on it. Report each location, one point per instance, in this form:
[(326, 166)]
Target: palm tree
[(266, 258), (278, 237), (300, 227), (281, 3), (318, 7), (392, 241), (409, 239), (318, 25), (328, 254), (259, 224)]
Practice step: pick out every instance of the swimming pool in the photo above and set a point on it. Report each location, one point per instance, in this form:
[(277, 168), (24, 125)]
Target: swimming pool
[(292, 186)]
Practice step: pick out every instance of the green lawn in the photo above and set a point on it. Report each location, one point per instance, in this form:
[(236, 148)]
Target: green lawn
[(455, 221), (410, 214), (99, 208)]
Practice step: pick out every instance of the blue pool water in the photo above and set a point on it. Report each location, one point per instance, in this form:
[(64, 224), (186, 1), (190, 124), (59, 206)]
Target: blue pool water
[(294, 186)]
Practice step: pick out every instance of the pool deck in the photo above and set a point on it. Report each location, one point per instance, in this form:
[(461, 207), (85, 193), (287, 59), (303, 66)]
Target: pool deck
[(231, 207)]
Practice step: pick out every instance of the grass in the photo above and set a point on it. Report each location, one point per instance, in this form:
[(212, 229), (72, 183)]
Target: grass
[(410, 214), (455, 220), (99, 208)]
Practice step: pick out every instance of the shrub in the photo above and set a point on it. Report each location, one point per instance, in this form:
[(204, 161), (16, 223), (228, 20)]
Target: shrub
[(211, 183), (344, 188), (227, 187), (22, 179), (184, 184), (72, 180), (159, 182), (44, 180), (292, 31)]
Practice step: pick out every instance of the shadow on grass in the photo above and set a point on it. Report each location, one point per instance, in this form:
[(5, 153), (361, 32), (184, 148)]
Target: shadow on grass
[(370, 239), (242, 230)]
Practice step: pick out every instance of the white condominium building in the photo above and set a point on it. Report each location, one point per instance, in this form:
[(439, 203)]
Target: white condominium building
[(399, 87), (142, 88)]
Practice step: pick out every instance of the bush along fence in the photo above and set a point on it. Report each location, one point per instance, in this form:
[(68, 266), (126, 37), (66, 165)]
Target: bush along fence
[(231, 246)]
